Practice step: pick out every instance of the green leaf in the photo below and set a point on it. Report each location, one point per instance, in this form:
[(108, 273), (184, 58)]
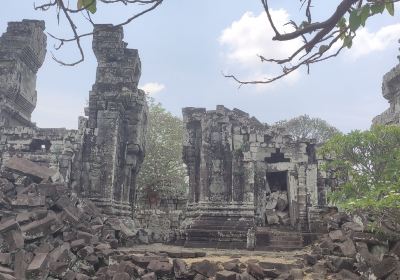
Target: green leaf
[(364, 14), (354, 20), (90, 5), (323, 49), (348, 42), (390, 8), (79, 4), (378, 8)]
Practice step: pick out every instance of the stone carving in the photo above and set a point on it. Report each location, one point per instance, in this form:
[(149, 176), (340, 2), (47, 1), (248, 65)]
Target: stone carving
[(22, 52), (391, 92), (237, 167), (101, 159)]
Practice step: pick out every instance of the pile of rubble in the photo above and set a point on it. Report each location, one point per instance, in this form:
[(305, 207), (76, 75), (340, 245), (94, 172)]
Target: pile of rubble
[(350, 251), (47, 232), (277, 212)]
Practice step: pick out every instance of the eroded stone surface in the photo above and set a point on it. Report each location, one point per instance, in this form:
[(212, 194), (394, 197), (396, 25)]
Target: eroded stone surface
[(242, 174), (22, 52), (101, 159)]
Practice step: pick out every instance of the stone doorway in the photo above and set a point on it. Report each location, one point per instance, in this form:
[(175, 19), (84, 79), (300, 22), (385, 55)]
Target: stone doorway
[(277, 199)]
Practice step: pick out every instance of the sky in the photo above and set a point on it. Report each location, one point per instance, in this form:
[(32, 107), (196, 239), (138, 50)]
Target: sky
[(186, 46)]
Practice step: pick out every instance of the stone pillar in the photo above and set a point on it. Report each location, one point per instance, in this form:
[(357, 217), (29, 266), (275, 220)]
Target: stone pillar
[(22, 52), (113, 147), (302, 199)]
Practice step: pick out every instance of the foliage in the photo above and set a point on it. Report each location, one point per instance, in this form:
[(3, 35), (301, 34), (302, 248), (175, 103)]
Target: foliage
[(321, 40), (367, 165), (163, 173), (305, 127)]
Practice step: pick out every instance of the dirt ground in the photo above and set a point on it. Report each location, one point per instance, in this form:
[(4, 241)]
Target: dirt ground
[(223, 255)]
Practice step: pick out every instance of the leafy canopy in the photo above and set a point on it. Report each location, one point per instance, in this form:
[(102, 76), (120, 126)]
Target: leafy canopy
[(305, 127), (163, 172), (367, 167)]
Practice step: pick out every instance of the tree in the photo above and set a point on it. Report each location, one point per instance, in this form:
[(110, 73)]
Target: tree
[(87, 8), (163, 173), (304, 127), (321, 37), (366, 165)]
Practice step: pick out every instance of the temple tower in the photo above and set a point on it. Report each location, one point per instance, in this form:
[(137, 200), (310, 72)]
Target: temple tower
[(113, 146), (22, 52)]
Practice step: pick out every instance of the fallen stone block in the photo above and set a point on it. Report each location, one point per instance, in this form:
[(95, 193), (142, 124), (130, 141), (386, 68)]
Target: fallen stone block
[(26, 167), (395, 275), (8, 225), (337, 235), (255, 270), (41, 228), (225, 275), (347, 275), (24, 200), (347, 248), (385, 267), (22, 259), (143, 261), (121, 276), (6, 270), (352, 226), (132, 269), (78, 244), (14, 240), (85, 251), (205, 268), (4, 276), (160, 267), (232, 266), (396, 249), (149, 276), (38, 268), (5, 258)]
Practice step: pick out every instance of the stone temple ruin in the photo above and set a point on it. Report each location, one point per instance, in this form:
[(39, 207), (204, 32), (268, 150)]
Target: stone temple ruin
[(249, 184), (67, 197), (244, 176), (101, 159)]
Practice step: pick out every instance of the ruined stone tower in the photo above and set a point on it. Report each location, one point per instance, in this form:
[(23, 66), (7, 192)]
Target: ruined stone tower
[(22, 52), (244, 175), (113, 146)]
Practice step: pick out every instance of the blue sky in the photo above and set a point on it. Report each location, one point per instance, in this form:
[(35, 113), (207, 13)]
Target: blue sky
[(186, 45)]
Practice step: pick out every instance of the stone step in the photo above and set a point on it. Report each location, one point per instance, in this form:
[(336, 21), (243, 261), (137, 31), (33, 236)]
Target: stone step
[(216, 244), (278, 248)]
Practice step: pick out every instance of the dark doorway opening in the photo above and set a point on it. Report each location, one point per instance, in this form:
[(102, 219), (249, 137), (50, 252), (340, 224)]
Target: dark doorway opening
[(277, 181), (277, 200), (39, 145)]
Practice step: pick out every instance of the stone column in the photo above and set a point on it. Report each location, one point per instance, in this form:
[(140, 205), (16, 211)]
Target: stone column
[(114, 142), (302, 198)]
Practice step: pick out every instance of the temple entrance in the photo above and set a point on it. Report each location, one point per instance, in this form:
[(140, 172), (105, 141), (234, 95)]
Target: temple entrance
[(277, 199)]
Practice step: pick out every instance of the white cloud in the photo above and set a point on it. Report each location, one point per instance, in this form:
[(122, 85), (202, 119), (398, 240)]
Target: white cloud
[(250, 36), (152, 88), (367, 42)]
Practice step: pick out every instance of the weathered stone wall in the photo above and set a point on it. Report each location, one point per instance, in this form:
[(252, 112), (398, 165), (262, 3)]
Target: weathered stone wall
[(391, 92), (101, 159), (240, 170), (22, 52), (53, 148)]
